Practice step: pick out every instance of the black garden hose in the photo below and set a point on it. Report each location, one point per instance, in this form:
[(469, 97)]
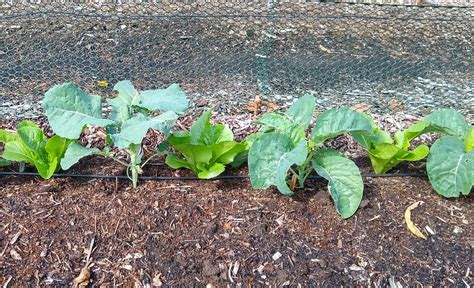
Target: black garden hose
[(222, 177)]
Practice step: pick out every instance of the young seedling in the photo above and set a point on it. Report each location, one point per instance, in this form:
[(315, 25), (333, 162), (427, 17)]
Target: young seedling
[(450, 159), (282, 153), (28, 144), (205, 149), (70, 110)]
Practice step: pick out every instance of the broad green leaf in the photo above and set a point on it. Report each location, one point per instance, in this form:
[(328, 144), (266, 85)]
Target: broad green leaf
[(273, 121), (134, 129), (195, 154), (215, 134), (200, 125), (33, 137), (6, 136), (469, 139), (19, 152), (127, 94), (403, 138), (69, 109), (345, 181), (301, 112), (118, 140), (120, 111), (335, 122), (174, 162), (450, 169), (449, 119), (229, 155), (213, 171), (270, 158), (57, 146), (46, 169), (370, 141), (169, 99), (74, 153)]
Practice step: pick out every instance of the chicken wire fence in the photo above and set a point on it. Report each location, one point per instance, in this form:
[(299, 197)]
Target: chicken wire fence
[(381, 59)]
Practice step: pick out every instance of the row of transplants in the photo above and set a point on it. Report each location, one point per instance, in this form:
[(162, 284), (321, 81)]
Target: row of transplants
[(282, 153)]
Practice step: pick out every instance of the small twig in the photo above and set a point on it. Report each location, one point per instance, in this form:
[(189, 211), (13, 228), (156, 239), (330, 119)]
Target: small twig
[(5, 285)]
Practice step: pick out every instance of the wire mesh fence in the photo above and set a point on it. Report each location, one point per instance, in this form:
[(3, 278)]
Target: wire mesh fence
[(383, 59)]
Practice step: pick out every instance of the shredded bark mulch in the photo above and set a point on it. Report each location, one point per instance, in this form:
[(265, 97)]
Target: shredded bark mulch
[(223, 232)]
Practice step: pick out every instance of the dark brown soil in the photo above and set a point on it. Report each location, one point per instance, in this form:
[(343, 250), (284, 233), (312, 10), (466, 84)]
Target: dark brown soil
[(193, 233)]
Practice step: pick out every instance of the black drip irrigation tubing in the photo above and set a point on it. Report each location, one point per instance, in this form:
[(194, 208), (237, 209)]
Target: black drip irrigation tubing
[(222, 177)]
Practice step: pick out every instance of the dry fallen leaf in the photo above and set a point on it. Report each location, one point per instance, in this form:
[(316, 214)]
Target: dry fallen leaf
[(254, 106), (271, 106), (413, 229), (83, 279)]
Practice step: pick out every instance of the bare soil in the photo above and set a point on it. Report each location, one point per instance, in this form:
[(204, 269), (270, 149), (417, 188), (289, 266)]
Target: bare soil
[(223, 232)]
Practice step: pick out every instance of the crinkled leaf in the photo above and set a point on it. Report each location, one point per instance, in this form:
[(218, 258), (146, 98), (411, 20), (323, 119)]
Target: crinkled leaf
[(301, 112), (335, 122), (213, 171), (270, 158), (450, 120), (74, 153), (194, 155), (345, 181), (134, 129), (169, 99), (450, 169), (69, 109), (385, 156), (33, 137)]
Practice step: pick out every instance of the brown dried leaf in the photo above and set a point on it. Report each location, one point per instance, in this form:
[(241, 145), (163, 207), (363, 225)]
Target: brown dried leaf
[(83, 279), (271, 106), (413, 229), (254, 106)]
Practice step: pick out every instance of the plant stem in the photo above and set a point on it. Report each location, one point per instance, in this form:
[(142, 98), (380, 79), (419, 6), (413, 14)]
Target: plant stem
[(304, 170), (135, 159)]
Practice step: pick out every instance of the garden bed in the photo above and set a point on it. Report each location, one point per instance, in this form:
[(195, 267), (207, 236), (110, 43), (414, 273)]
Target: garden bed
[(185, 233)]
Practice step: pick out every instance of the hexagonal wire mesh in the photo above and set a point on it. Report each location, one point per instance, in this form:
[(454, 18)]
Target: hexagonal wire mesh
[(224, 53)]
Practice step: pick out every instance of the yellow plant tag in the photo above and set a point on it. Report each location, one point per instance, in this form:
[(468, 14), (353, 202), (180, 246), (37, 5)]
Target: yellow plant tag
[(102, 83)]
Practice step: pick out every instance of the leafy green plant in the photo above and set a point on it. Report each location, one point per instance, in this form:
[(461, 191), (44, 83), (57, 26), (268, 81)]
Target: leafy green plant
[(282, 147), (205, 149), (70, 109), (385, 153), (29, 144), (450, 164)]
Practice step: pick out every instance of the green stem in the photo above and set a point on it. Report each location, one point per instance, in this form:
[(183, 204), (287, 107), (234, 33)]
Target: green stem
[(304, 170), (134, 166), (151, 157), (117, 160)]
